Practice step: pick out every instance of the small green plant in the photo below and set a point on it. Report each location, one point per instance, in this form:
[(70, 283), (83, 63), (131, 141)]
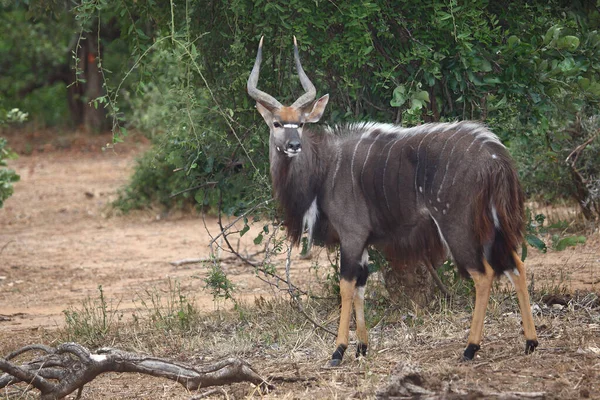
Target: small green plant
[(218, 284), (173, 312), (451, 278), (534, 229), (94, 322), (561, 244)]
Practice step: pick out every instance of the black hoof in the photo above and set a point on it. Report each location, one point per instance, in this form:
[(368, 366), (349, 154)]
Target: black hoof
[(361, 350), (334, 362), (470, 351), (338, 354), (530, 346)]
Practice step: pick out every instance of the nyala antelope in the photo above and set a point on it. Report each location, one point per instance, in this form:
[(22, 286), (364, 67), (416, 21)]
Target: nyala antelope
[(420, 194)]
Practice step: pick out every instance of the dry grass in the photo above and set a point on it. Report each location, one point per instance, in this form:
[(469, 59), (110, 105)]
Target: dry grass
[(292, 354)]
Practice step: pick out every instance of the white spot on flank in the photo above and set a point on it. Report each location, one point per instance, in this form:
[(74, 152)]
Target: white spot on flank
[(421, 189), (494, 156)]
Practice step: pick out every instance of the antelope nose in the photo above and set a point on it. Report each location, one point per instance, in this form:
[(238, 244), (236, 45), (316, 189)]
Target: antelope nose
[(294, 145)]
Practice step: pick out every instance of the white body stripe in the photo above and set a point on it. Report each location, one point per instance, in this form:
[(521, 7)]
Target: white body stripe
[(352, 162), (442, 238)]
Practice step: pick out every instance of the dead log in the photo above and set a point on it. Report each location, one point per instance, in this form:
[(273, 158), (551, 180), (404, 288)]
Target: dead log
[(68, 367)]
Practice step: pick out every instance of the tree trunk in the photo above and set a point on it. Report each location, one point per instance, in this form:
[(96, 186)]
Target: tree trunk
[(87, 86), (406, 283)]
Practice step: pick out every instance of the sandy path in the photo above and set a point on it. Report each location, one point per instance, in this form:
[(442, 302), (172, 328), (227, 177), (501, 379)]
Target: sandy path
[(59, 243)]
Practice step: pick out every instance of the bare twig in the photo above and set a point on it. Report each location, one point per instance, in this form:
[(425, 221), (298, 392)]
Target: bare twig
[(575, 153), (223, 234), (245, 214), (193, 188), (581, 190), (186, 261), (291, 290), (6, 245), (437, 279)]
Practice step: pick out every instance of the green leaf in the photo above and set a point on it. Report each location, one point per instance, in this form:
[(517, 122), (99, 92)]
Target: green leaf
[(422, 95), (399, 96), (552, 34), (486, 66), (258, 240), (570, 43), (536, 242), (512, 41), (583, 83), (416, 104), (245, 229)]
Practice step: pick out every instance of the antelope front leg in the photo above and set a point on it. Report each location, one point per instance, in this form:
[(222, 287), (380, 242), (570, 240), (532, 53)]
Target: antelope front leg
[(354, 273), (359, 306), (519, 280), (483, 285), (347, 289), (361, 327)]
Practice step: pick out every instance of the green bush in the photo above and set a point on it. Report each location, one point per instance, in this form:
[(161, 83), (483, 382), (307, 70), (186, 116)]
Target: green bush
[(531, 71), (8, 176)]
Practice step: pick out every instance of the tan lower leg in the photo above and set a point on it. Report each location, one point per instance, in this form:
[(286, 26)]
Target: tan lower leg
[(347, 292), (359, 309), (483, 286), (519, 279)]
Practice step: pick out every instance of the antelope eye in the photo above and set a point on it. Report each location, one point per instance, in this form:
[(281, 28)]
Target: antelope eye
[(276, 124)]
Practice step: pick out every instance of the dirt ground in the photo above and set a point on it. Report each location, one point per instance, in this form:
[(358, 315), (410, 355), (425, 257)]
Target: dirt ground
[(59, 240)]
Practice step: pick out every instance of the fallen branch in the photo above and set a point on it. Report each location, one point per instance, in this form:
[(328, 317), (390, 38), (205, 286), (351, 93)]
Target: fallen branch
[(69, 366), (186, 261)]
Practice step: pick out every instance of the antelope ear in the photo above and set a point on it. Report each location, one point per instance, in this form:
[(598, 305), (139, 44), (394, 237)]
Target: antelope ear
[(266, 114), (317, 110)]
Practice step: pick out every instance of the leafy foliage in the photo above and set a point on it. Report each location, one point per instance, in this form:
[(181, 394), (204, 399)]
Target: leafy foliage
[(8, 176), (529, 70)]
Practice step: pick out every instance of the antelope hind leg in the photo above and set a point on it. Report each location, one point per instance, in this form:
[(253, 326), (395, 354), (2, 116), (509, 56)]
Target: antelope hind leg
[(483, 285), (519, 279), (361, 328)]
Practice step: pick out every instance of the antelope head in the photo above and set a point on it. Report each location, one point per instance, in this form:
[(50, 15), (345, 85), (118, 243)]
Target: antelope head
[(286, 122)]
